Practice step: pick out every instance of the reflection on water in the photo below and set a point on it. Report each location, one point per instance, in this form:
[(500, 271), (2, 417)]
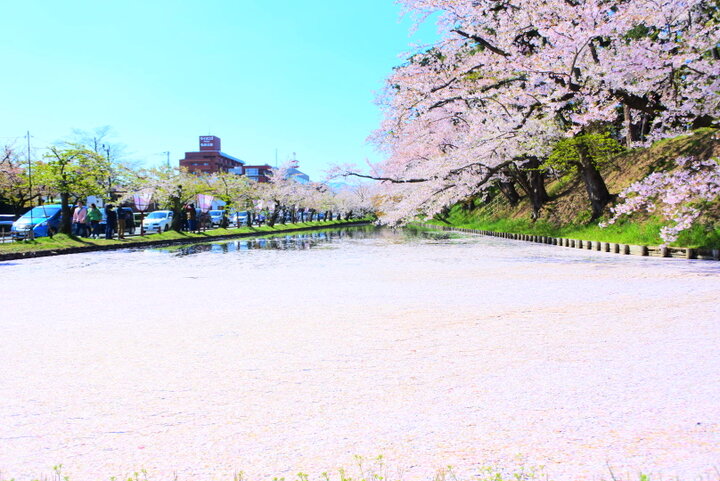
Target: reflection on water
[(302, 241)]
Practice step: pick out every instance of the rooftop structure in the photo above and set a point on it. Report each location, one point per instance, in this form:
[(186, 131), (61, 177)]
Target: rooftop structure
[(210, 159)]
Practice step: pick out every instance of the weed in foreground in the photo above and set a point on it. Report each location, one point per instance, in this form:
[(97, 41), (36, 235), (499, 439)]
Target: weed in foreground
[(375, 469)]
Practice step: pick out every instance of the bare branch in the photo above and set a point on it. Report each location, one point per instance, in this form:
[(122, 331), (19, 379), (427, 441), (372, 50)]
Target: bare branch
[(482, 41)]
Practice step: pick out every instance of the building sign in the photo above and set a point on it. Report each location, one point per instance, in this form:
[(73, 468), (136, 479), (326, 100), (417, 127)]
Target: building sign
[(209, 142)]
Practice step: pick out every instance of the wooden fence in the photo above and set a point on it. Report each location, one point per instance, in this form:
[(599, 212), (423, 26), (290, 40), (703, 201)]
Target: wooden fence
[(624, 249)]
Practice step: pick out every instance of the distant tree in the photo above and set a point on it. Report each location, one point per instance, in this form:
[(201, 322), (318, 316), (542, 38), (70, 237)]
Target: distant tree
[(282, 193), (238, 192), (101, 141), (15, 187), (172, 189), (72, 170)]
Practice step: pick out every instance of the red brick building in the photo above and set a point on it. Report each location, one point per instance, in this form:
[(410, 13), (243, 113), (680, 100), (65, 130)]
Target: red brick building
[(210, 158)]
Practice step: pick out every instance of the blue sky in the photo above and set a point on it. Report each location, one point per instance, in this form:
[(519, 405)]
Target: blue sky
[(296, 76)]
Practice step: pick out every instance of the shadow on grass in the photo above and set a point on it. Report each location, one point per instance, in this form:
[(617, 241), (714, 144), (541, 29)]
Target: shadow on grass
[(80, 240)]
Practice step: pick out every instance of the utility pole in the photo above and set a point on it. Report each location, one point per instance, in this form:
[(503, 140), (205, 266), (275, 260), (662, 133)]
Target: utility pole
[(167, 154), (29, 163), (31, 234), (106, 148)]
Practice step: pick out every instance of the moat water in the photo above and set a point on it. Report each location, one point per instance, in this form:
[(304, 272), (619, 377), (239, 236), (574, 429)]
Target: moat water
[(275, 356)]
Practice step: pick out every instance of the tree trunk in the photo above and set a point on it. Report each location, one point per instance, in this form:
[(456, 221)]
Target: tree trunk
[(66, 226), (594, 183), (177, 207), (628, 125), (177, 220), (508, 190), (275, 214), (532, 180)]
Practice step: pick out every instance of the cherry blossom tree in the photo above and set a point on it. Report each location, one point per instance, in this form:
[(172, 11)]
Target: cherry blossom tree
[(172, 189), (354, 200), (682, 196), (510, 79), (283, 193), (238, 192), (15, 186)]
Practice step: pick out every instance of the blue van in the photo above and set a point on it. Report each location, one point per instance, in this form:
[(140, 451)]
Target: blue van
[(42, 220)]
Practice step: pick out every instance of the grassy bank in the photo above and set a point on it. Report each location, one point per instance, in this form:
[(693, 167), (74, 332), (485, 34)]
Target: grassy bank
[(61, 243), (567, 214), (645, 232)]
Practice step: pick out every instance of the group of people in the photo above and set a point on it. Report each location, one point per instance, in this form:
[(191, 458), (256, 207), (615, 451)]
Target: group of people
[(193, 219), (189, 219), (86, 222)]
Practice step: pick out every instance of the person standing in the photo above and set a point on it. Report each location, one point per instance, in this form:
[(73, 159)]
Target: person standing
[(79, 219), (183, 218), (110, 221), (192, 218), (121, 222), (94, 216)]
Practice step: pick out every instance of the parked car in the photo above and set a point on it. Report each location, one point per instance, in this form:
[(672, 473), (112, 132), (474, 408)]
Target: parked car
[(6, 222), (238, 217), (216, 217), (158, 220), (43, 220)]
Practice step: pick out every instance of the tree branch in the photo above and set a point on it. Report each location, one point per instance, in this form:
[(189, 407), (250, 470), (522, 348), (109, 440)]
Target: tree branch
[(481, 41), (385, 179)]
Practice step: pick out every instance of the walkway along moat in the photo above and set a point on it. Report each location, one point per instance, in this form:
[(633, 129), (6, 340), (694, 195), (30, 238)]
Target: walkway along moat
[(432, 352)]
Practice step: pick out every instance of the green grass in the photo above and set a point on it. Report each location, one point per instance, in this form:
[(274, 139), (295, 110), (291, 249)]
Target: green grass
[(61, 242), (646, 232)]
